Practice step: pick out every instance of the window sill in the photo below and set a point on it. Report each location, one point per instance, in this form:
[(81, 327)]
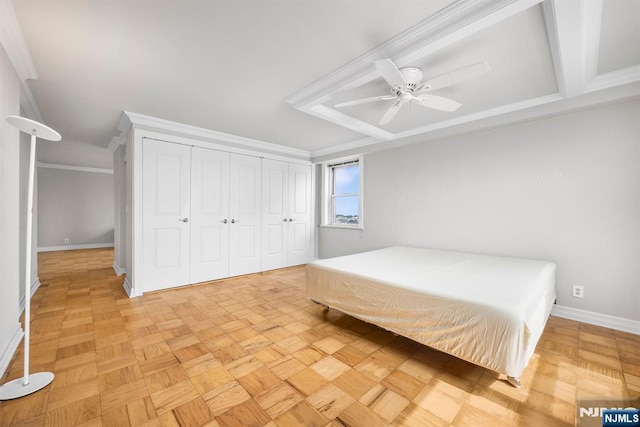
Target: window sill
[(344, 227)]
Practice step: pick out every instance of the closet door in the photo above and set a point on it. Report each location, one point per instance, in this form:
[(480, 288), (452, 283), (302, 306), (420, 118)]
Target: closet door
[(275, 213), (166, 185), (209, 213), (299, 219), (244, 213)]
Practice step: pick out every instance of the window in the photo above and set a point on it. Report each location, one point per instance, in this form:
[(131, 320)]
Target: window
[(343, 184)]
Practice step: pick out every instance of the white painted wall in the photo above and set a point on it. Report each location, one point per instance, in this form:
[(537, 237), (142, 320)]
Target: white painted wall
[(25, 141), (119, 193), (74, 204), (10, 330), (565, 189)]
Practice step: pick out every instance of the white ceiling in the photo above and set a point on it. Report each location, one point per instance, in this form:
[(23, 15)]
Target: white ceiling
[(271, 70)]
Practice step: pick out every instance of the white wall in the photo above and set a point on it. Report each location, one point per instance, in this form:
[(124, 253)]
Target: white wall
[(77, 205), (25, 146), (120, 202), (565, 189), (10, 331)]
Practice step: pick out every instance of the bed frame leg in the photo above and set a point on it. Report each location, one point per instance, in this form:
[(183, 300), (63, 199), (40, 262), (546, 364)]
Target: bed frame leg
[(514, 381), (325, 308)]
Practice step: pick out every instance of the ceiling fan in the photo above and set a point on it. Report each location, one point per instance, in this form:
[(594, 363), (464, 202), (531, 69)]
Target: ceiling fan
[(407, 86)]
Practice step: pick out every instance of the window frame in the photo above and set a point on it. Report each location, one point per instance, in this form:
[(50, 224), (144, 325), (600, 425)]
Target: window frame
[(328, 198)]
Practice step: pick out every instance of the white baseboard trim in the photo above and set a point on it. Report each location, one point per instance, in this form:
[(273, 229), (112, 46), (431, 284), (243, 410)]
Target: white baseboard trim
[(34, 287), (127, 287), (599, 319), (119, 270), (6, 353), (74, 247)]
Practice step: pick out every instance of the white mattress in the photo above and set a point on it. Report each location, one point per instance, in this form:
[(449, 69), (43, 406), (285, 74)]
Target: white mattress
[(487, 310)]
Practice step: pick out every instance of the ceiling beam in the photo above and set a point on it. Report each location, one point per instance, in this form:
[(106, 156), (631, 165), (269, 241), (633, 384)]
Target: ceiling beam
[(349, 122), (573, 28)]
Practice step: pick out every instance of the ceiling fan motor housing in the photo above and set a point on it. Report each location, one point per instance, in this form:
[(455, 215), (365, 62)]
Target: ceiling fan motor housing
[(412, 76)]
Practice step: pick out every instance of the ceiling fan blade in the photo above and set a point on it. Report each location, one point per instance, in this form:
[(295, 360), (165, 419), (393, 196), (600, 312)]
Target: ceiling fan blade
[(390, 72), (455, 76), (391, 112), (365, 100), (437, 102)]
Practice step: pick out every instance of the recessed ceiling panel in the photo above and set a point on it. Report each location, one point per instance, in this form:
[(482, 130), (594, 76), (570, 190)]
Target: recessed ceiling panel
[(619, 35), (516, 49)]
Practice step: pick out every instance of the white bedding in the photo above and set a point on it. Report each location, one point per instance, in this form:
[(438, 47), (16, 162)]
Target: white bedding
[(487, 310)]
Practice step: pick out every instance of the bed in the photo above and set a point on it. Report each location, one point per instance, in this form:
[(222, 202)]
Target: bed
[(487, 310)]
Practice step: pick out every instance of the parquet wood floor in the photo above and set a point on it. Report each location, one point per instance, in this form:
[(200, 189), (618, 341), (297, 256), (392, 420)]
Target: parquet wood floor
[(252, 351)]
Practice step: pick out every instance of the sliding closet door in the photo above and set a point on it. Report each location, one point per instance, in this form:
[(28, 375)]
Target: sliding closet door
[(244, 213), (166, 213), (209, 212)]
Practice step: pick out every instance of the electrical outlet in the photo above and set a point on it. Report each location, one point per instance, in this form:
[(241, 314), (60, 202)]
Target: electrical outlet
[(578, 291), (66, 240)]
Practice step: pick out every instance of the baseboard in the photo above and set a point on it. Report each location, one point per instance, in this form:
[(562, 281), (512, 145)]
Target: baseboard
[(6, 353), (127, 287), (34, 287), (74, 247), (119, 270), (599, 319)]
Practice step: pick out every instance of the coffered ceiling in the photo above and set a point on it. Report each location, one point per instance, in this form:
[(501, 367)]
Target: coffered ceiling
[(273, 70)]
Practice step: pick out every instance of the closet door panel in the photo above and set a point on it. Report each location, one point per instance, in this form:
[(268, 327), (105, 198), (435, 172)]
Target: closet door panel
[(275, 214), (299, 239), (209, 207), (245, 214), (166, 211)]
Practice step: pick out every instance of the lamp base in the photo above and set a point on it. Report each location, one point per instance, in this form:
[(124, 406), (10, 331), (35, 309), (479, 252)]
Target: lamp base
[(16, 389)]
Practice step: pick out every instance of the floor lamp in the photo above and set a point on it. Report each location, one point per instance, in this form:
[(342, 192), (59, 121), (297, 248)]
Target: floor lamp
[(29, 384)]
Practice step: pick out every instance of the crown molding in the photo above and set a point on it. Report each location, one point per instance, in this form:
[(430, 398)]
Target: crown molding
[(124, 124), (614, 78), (485, 114), (116, 142), (352, 145), (28, 103), (140, 120), (14, 44), (13, 41), (473, 117), (348, 121), (73, 168)]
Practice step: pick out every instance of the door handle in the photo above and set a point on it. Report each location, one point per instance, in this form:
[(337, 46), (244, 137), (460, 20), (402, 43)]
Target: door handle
[(233, 221), (291, 219), (284, 220), (184, 220), (224, 221)]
